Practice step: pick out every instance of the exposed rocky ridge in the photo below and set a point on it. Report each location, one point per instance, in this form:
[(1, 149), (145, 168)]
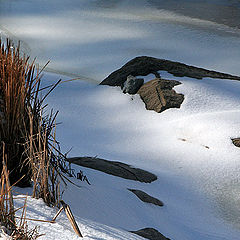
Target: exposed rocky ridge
[(150, 233), (115, 168), (146, 197), (144, 65), (158, 95)]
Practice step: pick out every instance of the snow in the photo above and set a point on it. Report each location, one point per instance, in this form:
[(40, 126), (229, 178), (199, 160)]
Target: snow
[(62, 229), (189, 149), (197, 176)]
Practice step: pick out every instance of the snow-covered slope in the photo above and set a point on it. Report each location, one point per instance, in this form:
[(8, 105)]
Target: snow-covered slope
[(189, 149), (36, 209), (92, 38)]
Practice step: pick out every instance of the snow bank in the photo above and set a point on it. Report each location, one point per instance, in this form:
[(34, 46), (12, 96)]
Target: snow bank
[(189, 149), (36, 209)]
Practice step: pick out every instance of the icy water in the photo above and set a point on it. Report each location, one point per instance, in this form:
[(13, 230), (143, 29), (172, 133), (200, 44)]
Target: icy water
[(220, 11), (92, 38)]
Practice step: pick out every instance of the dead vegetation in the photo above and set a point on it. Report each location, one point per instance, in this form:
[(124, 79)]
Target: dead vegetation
[(28, 139), (10, 227), (27, 132)]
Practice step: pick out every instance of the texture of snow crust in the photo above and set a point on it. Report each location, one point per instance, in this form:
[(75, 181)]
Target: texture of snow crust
[(189, 149)]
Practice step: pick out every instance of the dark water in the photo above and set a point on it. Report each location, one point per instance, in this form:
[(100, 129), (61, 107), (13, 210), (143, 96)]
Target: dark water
[(219, 11), (110, 32)]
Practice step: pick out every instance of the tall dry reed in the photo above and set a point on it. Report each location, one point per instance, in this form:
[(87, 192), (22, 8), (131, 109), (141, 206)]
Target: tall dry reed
[(7, 214), (17, 230), (29, 136), (17, 84)]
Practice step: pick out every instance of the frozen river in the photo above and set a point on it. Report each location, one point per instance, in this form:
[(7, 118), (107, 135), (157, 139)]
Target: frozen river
[(92, 38)]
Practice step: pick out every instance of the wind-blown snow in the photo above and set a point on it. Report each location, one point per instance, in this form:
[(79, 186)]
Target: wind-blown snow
[(189, 149), (36, 209)]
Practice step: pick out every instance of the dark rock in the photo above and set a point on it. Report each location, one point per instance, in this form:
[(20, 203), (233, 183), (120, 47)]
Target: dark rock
[(150, 233), (236, 142), (132, 84), (146, 198), (114, 168), (142, 66), (158, 95)]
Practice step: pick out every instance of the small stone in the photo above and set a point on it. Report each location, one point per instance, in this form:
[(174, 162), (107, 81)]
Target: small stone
[(150, 233), (132, 84), (236, 142), (146, 198), (158, 95)]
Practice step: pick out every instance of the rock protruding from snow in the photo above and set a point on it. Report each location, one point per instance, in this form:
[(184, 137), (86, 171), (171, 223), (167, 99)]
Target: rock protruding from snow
[(132, 84), (114, 168), (150, 233), (236, 142), (158, 95), (146, 197), (144, 65)]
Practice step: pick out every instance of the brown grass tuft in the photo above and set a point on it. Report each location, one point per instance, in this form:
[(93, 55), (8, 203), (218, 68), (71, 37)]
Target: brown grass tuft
[(17, 231), (32, 151)]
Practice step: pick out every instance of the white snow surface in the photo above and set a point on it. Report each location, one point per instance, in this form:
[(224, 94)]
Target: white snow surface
[(36, 209), (189, 149)]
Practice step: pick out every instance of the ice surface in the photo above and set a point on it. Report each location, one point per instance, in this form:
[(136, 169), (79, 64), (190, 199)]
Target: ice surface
[(188, 148), (90, 40)]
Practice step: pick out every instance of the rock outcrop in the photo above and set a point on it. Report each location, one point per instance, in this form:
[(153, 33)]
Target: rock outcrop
[(114, 168), (146, 197), (236, 142), (142, 66), (150, 233), (132, 84), (158, 95)]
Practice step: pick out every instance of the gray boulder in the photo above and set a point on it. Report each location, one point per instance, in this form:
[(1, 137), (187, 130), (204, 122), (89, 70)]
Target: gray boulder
[(115, 168), (132, 84), (236, 141)]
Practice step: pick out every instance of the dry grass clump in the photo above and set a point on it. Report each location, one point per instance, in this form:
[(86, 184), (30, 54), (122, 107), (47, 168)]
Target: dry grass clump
[(28, 134), (7, 214), (45, 160), (11, 228), (17, 85)]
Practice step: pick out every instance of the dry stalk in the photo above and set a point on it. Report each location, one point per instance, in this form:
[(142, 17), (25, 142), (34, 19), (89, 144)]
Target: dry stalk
[(30, 145), (7, 212)]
